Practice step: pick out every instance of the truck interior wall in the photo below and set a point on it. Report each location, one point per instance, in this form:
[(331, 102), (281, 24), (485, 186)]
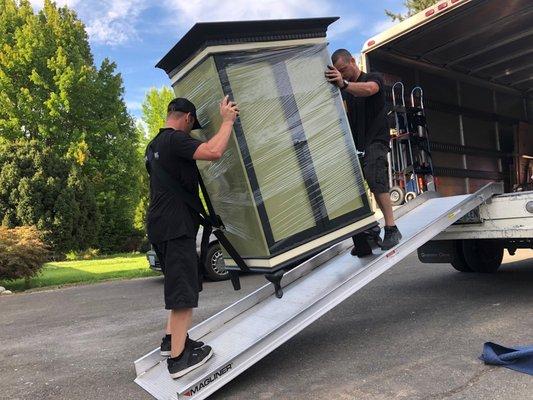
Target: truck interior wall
[(481, 122), (529, 108)]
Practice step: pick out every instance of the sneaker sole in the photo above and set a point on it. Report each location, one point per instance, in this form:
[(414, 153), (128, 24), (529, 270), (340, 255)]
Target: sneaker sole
[(179, 374)]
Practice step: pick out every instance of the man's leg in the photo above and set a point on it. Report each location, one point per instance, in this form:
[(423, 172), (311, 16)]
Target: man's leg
[(392, 235), (179, 321), (376, 170), (361, 247), (166, 342), (181, 296), (160, 251), (383, 200)]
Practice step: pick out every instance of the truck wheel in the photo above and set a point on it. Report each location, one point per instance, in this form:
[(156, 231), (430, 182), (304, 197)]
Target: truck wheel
[(214, 266), (458, 260), (484, 256), (397, 195)]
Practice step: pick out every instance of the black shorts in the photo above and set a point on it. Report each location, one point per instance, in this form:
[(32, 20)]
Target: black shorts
[(376, 167), (179, 263)]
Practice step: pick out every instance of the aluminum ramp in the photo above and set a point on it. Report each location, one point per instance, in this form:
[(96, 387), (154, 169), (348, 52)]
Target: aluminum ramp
[(248, 330)]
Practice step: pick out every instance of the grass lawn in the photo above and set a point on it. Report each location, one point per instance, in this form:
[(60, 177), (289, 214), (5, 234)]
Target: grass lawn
[(117, 266)]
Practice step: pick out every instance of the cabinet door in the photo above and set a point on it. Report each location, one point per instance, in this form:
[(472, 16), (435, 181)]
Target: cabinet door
[(225, 179), (328, 133), (273, 155)]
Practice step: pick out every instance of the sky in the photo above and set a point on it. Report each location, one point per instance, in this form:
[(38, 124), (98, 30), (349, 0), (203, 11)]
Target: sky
[(136, 34)]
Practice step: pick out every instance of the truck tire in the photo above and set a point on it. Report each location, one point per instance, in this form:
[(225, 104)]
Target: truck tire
[(483, 255), (458, 260), (397, 195), (214, 264)]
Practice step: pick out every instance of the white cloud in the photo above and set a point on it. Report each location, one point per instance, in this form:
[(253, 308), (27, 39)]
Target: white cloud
[(38, 4), (344, 25), (185, 13), (111, 22), (134, 105), (115, 21), (381, 25), (192, 11)]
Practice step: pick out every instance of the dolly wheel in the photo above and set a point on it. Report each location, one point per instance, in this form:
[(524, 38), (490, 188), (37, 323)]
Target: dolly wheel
[(397, 195), (409, 196)]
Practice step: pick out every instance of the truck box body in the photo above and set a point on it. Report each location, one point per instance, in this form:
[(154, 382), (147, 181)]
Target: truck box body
[(474, 61)]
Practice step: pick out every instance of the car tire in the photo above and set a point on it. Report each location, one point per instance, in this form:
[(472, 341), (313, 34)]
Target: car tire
[(214, 264)]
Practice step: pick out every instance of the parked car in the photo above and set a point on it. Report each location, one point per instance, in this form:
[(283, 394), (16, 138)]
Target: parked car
[(214, 267)]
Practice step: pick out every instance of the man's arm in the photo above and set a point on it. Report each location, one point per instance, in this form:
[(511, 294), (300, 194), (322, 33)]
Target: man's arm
[(362, 89), (215, 147), (358, 89)]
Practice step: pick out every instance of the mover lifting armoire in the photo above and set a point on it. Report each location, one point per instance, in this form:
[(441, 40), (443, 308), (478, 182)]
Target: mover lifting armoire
[(290, 182)]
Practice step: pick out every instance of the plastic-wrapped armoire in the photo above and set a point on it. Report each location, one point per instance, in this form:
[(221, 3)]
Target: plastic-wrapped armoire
[(290, 182)]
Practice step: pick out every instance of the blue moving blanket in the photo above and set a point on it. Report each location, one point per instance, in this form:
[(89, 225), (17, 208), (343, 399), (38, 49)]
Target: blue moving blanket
[(519, 359)]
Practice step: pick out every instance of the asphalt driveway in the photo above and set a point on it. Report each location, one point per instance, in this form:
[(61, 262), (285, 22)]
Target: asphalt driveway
[(413, 333)]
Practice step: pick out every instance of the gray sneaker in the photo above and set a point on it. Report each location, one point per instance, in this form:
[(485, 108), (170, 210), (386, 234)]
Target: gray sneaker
[(392, 237)]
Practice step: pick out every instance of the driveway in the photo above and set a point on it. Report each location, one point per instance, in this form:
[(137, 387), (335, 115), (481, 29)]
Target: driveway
[(413, 333)]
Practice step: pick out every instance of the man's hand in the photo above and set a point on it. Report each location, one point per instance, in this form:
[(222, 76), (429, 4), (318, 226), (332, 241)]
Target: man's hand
[(334, 76), (228, 110), (215, 147)]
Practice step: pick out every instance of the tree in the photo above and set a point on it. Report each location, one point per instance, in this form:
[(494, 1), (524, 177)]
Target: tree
[(39, 188), (413, 7), (51, 92), (154, 113)]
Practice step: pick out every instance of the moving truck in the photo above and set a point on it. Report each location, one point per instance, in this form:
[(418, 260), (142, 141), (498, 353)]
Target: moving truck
[(474, 61)]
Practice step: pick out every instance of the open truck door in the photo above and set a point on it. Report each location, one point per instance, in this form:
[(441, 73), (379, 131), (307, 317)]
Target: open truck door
[(474, 59)]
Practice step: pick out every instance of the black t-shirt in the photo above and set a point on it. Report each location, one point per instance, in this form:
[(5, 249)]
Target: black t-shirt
[(367, 116), (168, 216)]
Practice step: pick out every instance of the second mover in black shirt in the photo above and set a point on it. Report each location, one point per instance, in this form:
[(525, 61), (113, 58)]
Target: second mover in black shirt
[(367, 116), (169, 217)]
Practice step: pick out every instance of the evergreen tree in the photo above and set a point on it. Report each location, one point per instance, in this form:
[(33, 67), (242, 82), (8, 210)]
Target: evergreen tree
[(39, 188), (413, 7)]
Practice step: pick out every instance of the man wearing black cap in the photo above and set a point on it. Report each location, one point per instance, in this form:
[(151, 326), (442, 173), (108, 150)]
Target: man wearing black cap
[(172, 226)]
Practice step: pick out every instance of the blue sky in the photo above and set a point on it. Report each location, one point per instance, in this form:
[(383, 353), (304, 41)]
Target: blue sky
[(135, 34)]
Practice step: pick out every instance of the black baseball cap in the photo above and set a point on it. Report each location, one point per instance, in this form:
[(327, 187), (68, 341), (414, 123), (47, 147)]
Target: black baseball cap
[(184, 105)]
